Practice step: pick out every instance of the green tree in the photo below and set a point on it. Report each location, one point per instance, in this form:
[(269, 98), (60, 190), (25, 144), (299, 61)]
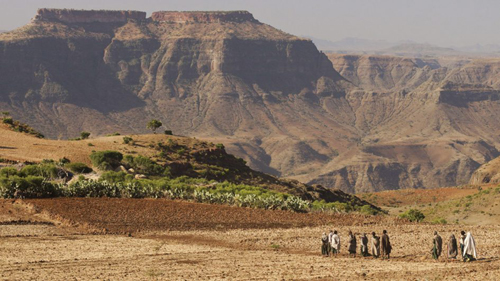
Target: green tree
[(154, 125)]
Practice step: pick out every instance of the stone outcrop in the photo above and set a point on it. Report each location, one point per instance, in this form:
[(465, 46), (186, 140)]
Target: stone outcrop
[(85, 16), (202, 17)]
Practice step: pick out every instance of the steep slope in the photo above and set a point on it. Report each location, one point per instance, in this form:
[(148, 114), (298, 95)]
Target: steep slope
[(270, 97), (487, 173)]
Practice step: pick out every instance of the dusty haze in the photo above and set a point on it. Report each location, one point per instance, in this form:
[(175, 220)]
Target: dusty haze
[(444, 23)]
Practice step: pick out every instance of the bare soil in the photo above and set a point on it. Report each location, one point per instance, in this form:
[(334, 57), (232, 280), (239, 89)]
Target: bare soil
[(118, 215), (220, 247)]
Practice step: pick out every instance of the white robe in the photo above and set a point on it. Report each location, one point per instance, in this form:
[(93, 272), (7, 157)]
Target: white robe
[(336, 242), (330, 237), (470, 246)]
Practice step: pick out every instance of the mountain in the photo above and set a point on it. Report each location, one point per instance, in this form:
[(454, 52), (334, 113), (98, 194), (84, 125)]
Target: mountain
[(270, 97), (351, 44), (418, 50), (488, 49)]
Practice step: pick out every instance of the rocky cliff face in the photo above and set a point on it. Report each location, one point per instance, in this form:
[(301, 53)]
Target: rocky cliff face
[(202, 17), (270, 97), (84, 16)]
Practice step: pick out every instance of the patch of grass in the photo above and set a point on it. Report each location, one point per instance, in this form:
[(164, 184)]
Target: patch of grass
[(275, 246)]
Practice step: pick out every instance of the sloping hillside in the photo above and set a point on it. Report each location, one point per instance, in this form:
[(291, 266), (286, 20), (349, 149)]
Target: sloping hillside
[(182, 155)]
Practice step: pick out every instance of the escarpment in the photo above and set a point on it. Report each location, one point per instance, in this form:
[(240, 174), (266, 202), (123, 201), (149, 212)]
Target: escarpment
[(202, 17), (272, 98), (84, 16)]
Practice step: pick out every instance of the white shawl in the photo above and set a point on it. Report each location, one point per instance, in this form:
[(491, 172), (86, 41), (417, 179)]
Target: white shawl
[(336, 242), (330, 237), (470, 246)]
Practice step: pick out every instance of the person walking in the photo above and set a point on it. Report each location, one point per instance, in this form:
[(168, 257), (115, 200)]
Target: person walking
[(375, 245), (437, 246), (386, 245), (324, 245), (462, 240), (335, 244), (452, 249), (330, 236), (352, 244), (469, 253), (364, 245)]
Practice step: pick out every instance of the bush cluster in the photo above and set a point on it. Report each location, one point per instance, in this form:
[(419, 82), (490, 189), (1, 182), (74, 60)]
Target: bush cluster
[(179, 189), (106, 160), (21, 127), (144, 165), (413, 215)]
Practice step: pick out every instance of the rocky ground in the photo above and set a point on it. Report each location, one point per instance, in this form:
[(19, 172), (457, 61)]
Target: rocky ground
[(40, 241)]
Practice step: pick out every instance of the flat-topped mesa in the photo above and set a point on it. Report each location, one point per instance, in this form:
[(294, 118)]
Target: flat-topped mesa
[(87, 16), (203, 17)]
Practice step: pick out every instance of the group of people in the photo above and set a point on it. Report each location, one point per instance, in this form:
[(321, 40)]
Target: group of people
[(466, 242), (380, 246)]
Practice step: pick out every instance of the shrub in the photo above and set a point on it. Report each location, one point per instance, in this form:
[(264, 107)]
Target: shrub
[(113, 177), (168, 132), (8, 171), (145, 165), (368, 210), (127, 140), (78, 168), (27, 187), (107, 159), (63, 161), (8, 120), (84, 135), (219, 146), (413, 215), (47, 171)]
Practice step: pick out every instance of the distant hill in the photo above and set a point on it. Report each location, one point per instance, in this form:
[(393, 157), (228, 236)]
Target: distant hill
[(351, 44), (492, 49), (418, 50)]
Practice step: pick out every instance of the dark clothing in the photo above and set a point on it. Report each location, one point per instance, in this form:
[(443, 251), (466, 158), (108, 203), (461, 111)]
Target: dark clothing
[(364, 245), (452, 247), (438, 247), (352, 244), (386, 245), (462, 239), (324, 246)]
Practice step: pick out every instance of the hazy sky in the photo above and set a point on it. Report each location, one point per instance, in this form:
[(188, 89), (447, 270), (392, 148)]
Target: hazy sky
[(441, 22)]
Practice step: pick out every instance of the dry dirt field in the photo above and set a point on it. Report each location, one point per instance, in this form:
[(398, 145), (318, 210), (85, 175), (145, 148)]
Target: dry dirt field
[(118, 239)]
